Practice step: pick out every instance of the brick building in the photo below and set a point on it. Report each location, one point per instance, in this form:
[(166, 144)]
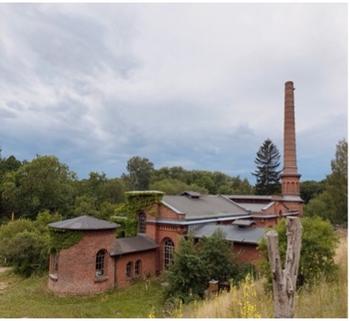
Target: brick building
[(100, 261)]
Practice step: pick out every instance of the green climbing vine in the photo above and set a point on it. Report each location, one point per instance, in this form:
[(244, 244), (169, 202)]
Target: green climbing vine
[(63, 239), (136, 202)]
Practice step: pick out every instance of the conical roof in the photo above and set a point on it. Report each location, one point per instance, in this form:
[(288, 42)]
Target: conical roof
[(84, 223)]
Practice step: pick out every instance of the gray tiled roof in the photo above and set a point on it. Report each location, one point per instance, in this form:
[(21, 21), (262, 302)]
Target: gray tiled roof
[(205, 206), (85, 223), (251, 235), (255, 207), (251, 197), (137, 243), (292, 198)]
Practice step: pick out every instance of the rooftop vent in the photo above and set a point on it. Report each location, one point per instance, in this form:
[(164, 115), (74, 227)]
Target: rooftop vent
[(191, 194), (243, 223)]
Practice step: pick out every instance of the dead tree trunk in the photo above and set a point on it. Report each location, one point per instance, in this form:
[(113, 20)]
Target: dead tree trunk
[(284, 281)]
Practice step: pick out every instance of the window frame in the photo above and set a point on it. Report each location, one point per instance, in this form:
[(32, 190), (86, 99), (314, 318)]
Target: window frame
[(138, 268), (54, 257), (168, 253), (141, 228), (129, 269), (100, 263)]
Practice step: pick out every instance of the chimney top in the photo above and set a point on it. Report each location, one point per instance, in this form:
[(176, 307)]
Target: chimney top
[(289, 84)]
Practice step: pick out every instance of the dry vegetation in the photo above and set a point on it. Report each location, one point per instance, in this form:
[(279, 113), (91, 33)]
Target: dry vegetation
[(324, 300)]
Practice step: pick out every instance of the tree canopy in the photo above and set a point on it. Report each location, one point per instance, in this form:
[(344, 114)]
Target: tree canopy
[(331, 203)]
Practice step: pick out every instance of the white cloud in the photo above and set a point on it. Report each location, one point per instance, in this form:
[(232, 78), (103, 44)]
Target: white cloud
[(181, 84)]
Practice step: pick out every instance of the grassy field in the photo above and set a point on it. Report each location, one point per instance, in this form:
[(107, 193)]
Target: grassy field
[(21, 297), (30, 298), (325, 300)]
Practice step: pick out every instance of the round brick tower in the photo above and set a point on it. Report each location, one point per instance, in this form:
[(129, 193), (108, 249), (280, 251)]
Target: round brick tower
[(86, 267)]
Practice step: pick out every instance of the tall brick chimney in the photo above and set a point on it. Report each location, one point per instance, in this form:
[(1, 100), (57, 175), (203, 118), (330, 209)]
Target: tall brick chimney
[(290, 177)]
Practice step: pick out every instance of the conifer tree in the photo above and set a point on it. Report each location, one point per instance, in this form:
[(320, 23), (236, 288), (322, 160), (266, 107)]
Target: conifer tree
[(267, 174)]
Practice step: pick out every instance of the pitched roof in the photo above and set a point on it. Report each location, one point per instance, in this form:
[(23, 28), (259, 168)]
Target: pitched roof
[(84, 223), (251, 197), (292, 198), (137, 243), (250, 235), (256, 207), (205, 206)]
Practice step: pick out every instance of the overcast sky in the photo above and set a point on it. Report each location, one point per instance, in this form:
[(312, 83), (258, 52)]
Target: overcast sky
[(199, 86)]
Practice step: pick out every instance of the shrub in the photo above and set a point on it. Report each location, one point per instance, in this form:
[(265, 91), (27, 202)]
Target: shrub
[(27, 252), (196, 264), (319, 241), (187, 277), (25, 244), (217, 257)]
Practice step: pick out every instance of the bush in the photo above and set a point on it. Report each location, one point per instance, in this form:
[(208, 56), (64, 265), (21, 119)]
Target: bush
[(196, 264), (217, 257), (187, 277), (25, 244), (28, 253), (319, 241)]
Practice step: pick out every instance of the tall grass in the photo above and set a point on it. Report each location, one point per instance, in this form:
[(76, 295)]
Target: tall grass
[(323, 300)]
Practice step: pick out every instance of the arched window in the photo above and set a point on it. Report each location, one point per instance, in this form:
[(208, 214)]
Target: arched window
[(100, 262), (138, 268), (54, 263), (142, 223), (168, 252), (129, 269)]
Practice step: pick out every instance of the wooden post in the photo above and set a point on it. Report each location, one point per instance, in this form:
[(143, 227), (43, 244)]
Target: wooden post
[(284, 281)]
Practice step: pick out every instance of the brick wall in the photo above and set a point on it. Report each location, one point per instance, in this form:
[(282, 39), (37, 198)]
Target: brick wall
[(77, 265), (148, 267), (246, 253)]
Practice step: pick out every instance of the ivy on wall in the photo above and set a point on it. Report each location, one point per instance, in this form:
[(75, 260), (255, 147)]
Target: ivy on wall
[(63, 239), (136, 202)]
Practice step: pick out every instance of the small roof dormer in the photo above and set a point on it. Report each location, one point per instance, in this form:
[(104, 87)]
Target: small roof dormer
[(191, 194), (243, 223)]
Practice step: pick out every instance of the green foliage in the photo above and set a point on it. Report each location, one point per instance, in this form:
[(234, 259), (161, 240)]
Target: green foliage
[(196, 264), (43, 183), (139, 173), (267, 173), (217, 256), (9, 164), (332, 202), (187, 276), (44, 218), (319, 241), (310, 189), (101, 189), (27, 253), (167, 179), (85, 205), (172, 186), (7, 231), (23, 246), (29, 297), (63, 239), (136, 202)]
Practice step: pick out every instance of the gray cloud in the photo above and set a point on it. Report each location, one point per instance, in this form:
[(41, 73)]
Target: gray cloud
[(194, 85)]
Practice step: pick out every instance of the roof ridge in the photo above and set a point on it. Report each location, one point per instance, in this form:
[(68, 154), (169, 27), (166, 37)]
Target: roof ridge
[(233, 202)]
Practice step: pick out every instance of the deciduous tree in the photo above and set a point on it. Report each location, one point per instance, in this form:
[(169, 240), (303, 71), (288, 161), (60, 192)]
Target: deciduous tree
[(139, 173)]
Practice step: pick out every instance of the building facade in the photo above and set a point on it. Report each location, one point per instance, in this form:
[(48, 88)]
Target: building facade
[(100, 261)]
